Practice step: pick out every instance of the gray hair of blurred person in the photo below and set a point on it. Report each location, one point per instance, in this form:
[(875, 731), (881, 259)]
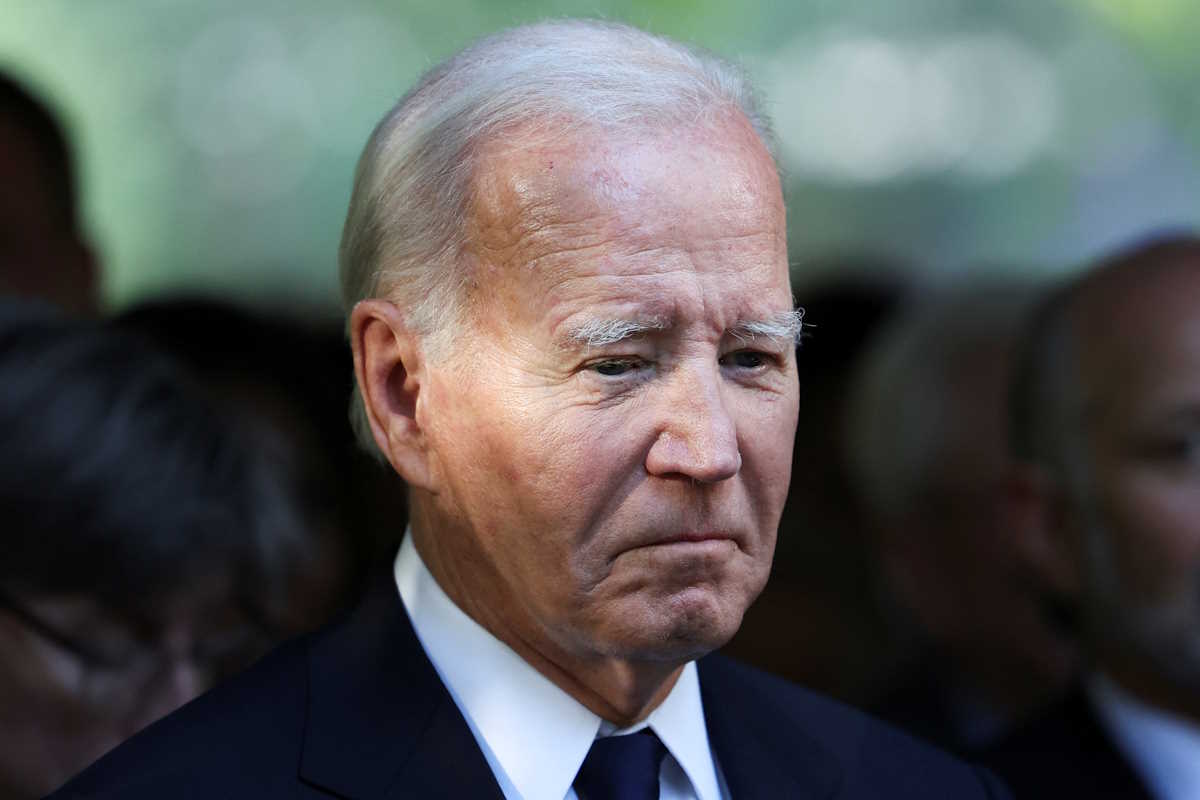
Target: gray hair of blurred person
[(405, 231), (903, 417), (124, 481)]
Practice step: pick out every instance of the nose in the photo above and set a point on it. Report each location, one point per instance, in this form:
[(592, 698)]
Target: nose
[(697, 437)]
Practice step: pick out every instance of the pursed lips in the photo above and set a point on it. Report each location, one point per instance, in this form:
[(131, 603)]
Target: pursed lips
[(688, 537)]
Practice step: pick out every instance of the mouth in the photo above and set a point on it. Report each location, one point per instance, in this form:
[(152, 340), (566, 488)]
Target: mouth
[(691, 537), (693, 541)]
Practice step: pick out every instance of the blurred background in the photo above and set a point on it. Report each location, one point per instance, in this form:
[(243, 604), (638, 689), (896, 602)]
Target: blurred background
[(945, 162), (217, 140)]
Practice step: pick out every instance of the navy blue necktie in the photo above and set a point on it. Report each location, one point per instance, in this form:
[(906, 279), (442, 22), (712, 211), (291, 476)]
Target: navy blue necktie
[(621, 768)]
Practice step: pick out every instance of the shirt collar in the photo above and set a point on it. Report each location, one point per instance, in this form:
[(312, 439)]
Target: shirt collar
[(1164, 748), (534, 735)]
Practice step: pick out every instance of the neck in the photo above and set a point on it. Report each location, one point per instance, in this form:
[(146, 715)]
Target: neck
[(1151, 687), (619, 691), (622, 691)]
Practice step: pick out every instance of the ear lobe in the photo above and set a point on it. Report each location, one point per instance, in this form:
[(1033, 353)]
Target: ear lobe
[(1046, 536), (390, 372)]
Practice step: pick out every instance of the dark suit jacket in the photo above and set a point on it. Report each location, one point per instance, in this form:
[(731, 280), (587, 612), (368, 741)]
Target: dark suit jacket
[(1066, 752), (358, 711)]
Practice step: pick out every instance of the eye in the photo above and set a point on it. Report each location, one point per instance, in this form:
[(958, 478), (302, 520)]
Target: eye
[(745, 359), (1178, 449), (614, 367)]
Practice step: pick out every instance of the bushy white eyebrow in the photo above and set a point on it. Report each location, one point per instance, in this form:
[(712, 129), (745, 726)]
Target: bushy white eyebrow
[(786, 326), (602, 332)]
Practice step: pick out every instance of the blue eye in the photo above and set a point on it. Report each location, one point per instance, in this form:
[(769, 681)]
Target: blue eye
[(615, 367), (744, 359)]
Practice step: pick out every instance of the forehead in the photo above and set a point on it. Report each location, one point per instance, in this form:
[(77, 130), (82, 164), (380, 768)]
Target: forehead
[(1140, 338), (641, 218)]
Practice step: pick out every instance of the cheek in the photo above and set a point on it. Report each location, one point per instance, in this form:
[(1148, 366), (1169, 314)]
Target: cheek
[(766, 440), (570, 487), (479, 437), (1156, 527), (542, 471), (579, 461)]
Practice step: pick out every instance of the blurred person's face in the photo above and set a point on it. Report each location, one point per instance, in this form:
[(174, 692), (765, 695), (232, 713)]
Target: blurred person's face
[(618, 498), (40, 254), (1141, 518), (953, 559), (76, 678)]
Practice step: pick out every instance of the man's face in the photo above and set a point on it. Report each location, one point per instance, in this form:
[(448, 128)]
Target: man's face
[(610, 444), (1144, 438)]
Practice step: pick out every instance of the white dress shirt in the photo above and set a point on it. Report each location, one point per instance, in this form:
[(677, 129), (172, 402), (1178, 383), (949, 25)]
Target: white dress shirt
[(1163, 748), (533, 734)]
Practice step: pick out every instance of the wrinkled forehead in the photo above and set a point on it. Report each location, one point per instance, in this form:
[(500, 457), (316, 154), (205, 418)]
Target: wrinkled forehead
[(682, 225), (533, 191)]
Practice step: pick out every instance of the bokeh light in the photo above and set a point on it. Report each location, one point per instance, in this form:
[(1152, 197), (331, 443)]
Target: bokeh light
[(218, 139)]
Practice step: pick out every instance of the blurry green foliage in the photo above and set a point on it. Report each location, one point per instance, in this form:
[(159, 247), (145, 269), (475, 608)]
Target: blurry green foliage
[(218, 138)]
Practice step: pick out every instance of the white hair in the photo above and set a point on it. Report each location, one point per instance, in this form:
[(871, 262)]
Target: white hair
[(601, 332), (784, 326), (406, 225)]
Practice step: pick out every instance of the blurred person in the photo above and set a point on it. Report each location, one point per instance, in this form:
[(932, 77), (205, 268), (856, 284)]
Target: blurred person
[(286, 375), (44, 252), (976, 647), (1106, 420), (813, 624), (565, 267), (142, 550)]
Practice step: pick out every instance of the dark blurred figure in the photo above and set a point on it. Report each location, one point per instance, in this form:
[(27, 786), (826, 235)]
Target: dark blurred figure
[(814, 624), (288, 380), (1107, 420), (146, 549), (43, 251), (977, 649)]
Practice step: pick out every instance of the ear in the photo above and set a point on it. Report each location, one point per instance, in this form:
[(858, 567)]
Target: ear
[(1046, 529), (390, 371)]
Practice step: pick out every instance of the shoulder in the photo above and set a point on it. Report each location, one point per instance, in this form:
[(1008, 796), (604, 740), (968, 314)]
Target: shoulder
[(1065, 751), (869, 757), (247, 729)]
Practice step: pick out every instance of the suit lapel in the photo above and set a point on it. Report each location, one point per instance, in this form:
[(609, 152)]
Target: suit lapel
[(380, 723), (762, 754)]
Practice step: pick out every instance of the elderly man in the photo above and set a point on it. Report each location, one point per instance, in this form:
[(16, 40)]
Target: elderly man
[(574, 339), (1108, 416)]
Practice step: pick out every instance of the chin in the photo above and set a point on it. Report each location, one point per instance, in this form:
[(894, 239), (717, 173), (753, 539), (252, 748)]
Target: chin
[(680, 628)]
